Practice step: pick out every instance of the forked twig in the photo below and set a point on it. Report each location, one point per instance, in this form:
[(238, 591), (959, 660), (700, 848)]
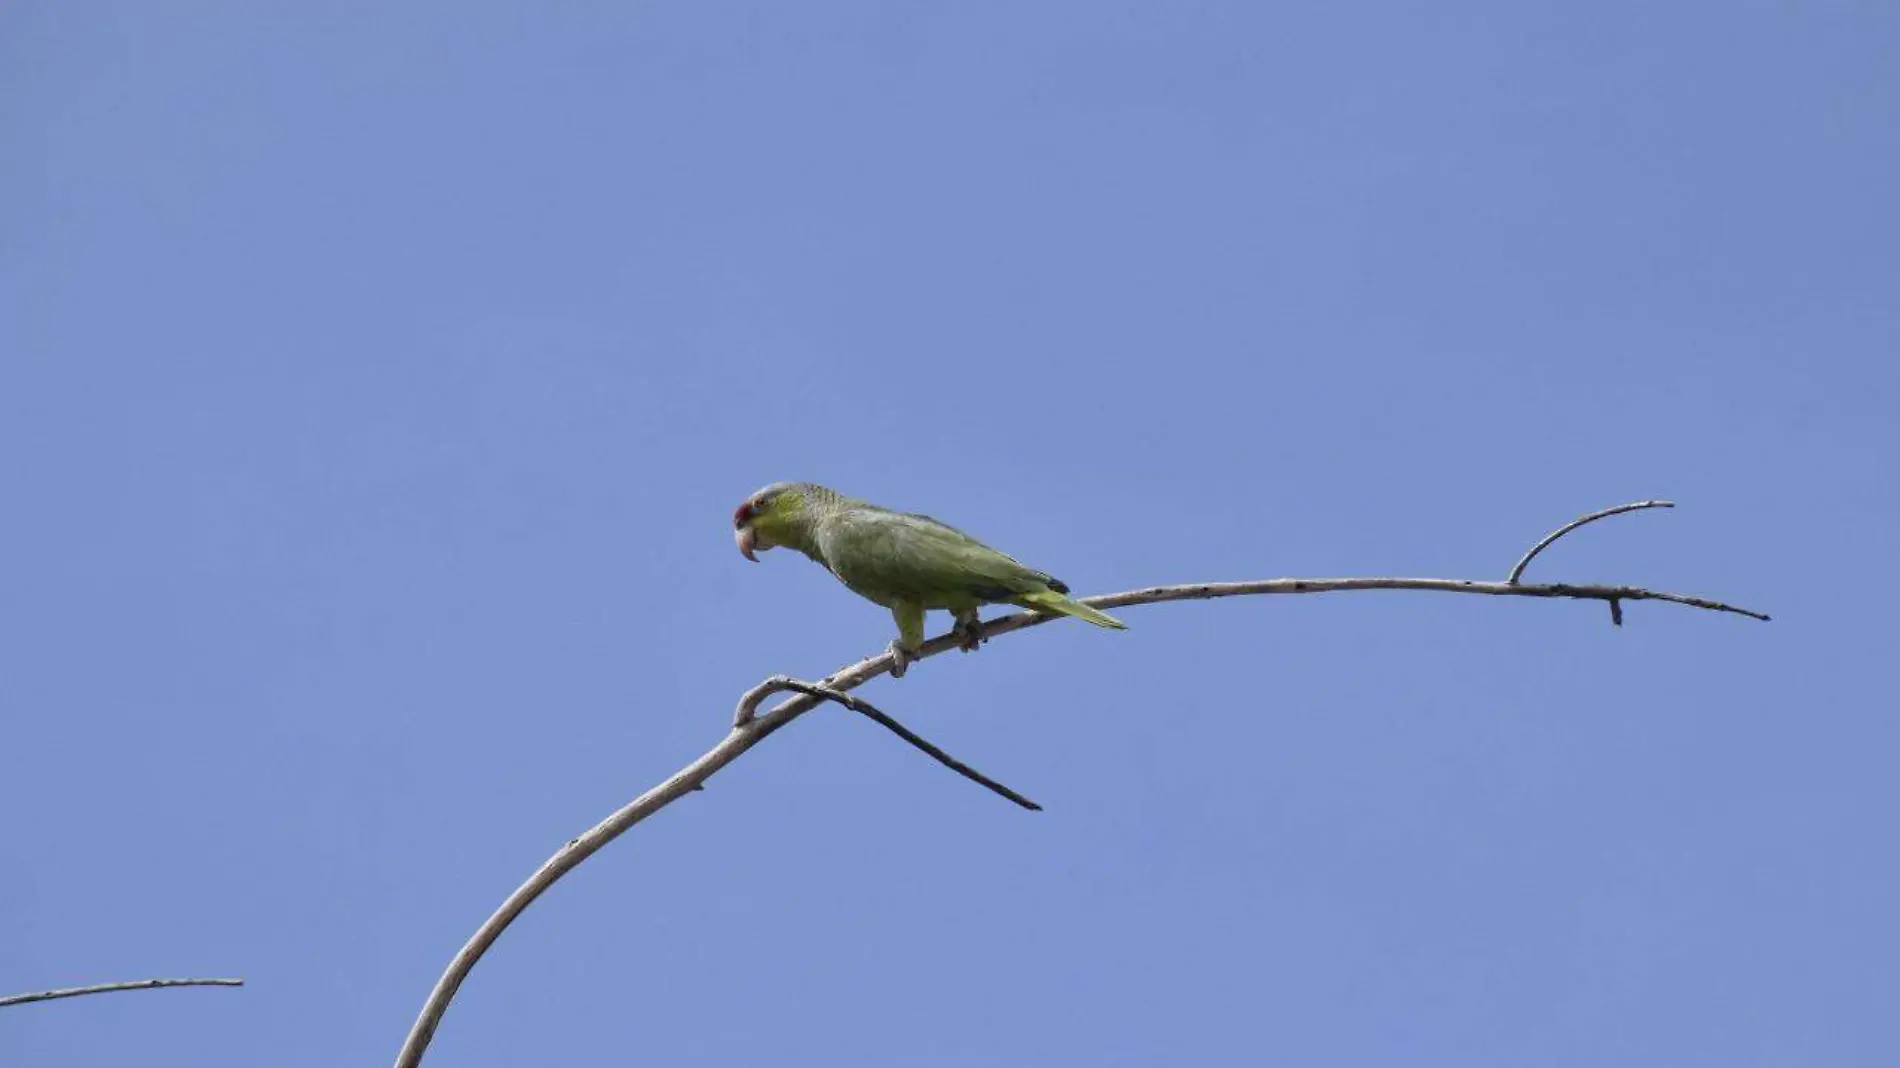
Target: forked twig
[(752, 727), (748, 706)]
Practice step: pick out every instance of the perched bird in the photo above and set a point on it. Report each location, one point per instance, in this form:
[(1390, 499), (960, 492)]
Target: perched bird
[(906, 562)]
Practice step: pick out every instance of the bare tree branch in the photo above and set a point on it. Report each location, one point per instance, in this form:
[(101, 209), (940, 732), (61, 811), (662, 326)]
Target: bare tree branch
[(1205, 591), (752, 727), (1518, 571), (111, 988), (748, 707)]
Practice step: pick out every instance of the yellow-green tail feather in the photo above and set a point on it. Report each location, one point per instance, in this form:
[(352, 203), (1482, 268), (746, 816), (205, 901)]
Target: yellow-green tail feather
[(1051, 601)]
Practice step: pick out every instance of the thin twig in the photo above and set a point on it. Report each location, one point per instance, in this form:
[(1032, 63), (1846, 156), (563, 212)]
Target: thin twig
[(781, 683), (1518, 571), (754, 727), (111, 988)]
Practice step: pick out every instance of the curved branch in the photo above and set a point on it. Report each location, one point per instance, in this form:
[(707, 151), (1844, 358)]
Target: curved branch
[(111, 988), (1518, 571), (751, 727)]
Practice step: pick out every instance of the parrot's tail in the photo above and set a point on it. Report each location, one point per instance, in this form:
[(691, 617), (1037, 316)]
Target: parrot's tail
[(1051, 601)]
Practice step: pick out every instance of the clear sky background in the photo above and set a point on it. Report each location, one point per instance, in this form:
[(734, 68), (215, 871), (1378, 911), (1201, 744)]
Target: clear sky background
[(377, 382)]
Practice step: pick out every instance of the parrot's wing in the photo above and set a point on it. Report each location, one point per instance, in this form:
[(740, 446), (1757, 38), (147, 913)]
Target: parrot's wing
[(914, 555)]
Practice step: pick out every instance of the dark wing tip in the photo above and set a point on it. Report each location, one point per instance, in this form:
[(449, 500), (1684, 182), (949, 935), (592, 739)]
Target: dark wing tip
[(1058, 585)]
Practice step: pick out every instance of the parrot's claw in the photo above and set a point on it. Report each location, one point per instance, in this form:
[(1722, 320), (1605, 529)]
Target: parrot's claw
[(969, 633), (900, 659)]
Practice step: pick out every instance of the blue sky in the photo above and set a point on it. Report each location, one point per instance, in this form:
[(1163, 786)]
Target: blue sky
[(376, 383)]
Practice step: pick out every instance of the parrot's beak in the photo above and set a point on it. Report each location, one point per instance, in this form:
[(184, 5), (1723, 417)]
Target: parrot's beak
[(747, 541)]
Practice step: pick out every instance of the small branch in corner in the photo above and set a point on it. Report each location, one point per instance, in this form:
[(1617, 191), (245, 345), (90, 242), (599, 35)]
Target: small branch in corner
[(111, 988)]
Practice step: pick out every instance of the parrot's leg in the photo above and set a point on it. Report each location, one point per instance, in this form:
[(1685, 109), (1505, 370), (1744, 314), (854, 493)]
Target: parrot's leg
[(969, 630), (910, 636)]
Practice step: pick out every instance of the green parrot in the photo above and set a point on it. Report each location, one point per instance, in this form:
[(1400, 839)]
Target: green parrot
[(906, 562)]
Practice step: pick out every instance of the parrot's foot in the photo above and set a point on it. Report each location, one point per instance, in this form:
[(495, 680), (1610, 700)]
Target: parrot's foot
[(968, 632), (900, 659)]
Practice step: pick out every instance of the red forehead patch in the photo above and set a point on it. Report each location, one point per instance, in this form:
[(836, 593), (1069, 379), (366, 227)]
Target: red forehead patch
[(741, 514)]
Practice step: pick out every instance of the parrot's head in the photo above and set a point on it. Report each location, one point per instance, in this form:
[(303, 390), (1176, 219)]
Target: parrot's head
[(771, 517)]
